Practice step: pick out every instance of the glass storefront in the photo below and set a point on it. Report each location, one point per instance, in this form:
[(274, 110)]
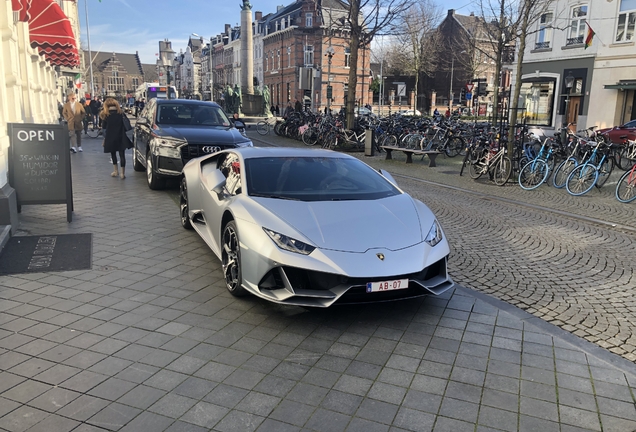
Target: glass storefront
[(537, 97)]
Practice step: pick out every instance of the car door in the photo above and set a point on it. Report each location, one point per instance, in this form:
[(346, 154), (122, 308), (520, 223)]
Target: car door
[(143, 131), (213, 208)]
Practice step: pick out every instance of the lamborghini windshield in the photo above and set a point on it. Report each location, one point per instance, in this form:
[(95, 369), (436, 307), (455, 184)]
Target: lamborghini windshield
[(315, 179)]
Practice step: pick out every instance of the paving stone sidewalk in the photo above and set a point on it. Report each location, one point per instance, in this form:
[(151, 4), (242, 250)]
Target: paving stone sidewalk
[(150, 340)]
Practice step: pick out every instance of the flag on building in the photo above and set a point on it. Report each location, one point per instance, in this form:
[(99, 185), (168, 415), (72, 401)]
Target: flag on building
[(78, 80), (589, 37)]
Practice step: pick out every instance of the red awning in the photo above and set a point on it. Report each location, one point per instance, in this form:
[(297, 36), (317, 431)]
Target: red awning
[(22, 7), (50, 30)]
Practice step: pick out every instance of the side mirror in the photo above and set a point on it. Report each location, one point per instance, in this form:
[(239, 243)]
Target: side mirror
[(239, 124), (142, 121), (388, 176)]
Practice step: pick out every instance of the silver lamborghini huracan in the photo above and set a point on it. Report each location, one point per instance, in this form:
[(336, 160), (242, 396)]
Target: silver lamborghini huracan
[(312, 227)]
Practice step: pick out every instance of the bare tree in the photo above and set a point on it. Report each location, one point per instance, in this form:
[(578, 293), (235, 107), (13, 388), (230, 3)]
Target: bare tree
[(418, 44), (531, 11), (367, 18)]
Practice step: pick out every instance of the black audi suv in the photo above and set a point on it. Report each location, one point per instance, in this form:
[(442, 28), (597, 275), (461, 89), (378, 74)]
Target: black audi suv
[(170, 132)]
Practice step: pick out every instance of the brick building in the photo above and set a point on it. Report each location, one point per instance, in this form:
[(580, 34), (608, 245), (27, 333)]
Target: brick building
[(116, 74), (295, 60)]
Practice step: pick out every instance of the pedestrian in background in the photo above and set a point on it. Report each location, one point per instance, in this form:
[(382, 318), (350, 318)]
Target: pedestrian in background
[(95, 106), (115, 140), (298, 106), (73, 112)]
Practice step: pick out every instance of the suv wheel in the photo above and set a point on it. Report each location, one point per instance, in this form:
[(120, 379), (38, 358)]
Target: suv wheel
[(154, 182)]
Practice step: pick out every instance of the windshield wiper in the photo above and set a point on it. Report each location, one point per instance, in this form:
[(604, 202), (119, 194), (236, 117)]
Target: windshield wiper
[(273, 196)]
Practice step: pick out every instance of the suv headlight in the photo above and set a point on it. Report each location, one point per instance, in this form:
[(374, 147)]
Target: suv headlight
[(288, 243), (167, 147), (245, 144), (434, 235)]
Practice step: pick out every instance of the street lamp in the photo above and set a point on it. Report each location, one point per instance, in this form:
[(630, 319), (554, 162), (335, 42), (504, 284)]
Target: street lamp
[(569, 83), (166, 60), (329, 53)]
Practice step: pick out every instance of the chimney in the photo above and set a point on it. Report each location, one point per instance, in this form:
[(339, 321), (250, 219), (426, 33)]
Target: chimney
[(278, 8), (451, 12), (258, 15), (227, 29), (472, 14)]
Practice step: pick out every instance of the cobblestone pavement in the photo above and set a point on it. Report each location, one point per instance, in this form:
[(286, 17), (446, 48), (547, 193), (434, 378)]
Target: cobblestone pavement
[(150, 340), (574, 270)]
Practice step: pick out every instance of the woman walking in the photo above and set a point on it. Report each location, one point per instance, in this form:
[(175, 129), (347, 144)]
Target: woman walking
[(115, 139)]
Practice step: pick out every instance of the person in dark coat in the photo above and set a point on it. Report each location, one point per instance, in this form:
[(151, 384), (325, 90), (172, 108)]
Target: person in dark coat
[(298, 106), (115, 139)]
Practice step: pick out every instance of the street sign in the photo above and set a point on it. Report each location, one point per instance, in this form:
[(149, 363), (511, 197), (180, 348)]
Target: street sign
[(469, 87), (401, 90), (469, 96)]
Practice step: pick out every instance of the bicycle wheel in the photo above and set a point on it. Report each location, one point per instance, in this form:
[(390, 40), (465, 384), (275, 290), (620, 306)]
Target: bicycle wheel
[(94, 133), (310, 136), (262, 127), (503, 169), (562, 172), (454, 147), (626, 187), (533, 174), (476, 169), (621, 159), (581, 180), (390, 140), (604, 171)]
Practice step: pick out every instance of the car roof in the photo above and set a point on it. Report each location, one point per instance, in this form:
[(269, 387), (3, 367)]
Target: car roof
[(188, 102), (261, 152)]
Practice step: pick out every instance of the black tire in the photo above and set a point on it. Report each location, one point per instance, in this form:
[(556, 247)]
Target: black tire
[(475, 169), (262, 127), (621, 160), (626, 187), (231, 260), (502, 171), (562, 172), (605, 171), (154, 182), (137, 166), (454, 147), (183, 205), (310, 136)]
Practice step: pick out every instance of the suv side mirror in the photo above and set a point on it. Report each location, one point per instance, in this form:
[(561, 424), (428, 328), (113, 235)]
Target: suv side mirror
[(239, 124)]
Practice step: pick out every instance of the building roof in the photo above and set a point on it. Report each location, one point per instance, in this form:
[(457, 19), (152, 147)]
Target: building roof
[(130, 62)]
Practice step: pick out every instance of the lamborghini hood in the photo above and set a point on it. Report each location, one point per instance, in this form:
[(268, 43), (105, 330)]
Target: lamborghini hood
[(353, 226)]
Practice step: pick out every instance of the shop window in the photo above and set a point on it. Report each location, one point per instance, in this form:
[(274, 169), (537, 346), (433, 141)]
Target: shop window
[(537, 99)]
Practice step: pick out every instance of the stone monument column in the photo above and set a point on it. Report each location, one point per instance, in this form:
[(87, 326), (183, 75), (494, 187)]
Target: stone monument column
[(247, 49)]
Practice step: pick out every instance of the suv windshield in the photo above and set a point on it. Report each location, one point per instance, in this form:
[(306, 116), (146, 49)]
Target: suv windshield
[(315, 179), (175, 113)]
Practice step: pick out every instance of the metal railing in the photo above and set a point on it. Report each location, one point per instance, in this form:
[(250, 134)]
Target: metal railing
[(574, 41), (542, 45)]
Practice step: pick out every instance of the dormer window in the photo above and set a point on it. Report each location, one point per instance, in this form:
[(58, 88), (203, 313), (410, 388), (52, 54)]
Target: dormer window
[(309, 19)]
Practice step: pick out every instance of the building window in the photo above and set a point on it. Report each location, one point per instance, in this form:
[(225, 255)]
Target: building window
[(115, 71), (266, 62), (288, 57), (309, 55), (278, 54), (544, 37), (538, 100), (309, 19), (135, 82), (347, 57), (626, 21), (577, 25)]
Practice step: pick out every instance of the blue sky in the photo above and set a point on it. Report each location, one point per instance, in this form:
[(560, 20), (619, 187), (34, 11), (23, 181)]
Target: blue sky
[(138, 25)]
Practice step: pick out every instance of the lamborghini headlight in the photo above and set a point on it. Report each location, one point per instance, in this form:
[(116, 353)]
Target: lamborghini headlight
[(288, 243), (434, 235)]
